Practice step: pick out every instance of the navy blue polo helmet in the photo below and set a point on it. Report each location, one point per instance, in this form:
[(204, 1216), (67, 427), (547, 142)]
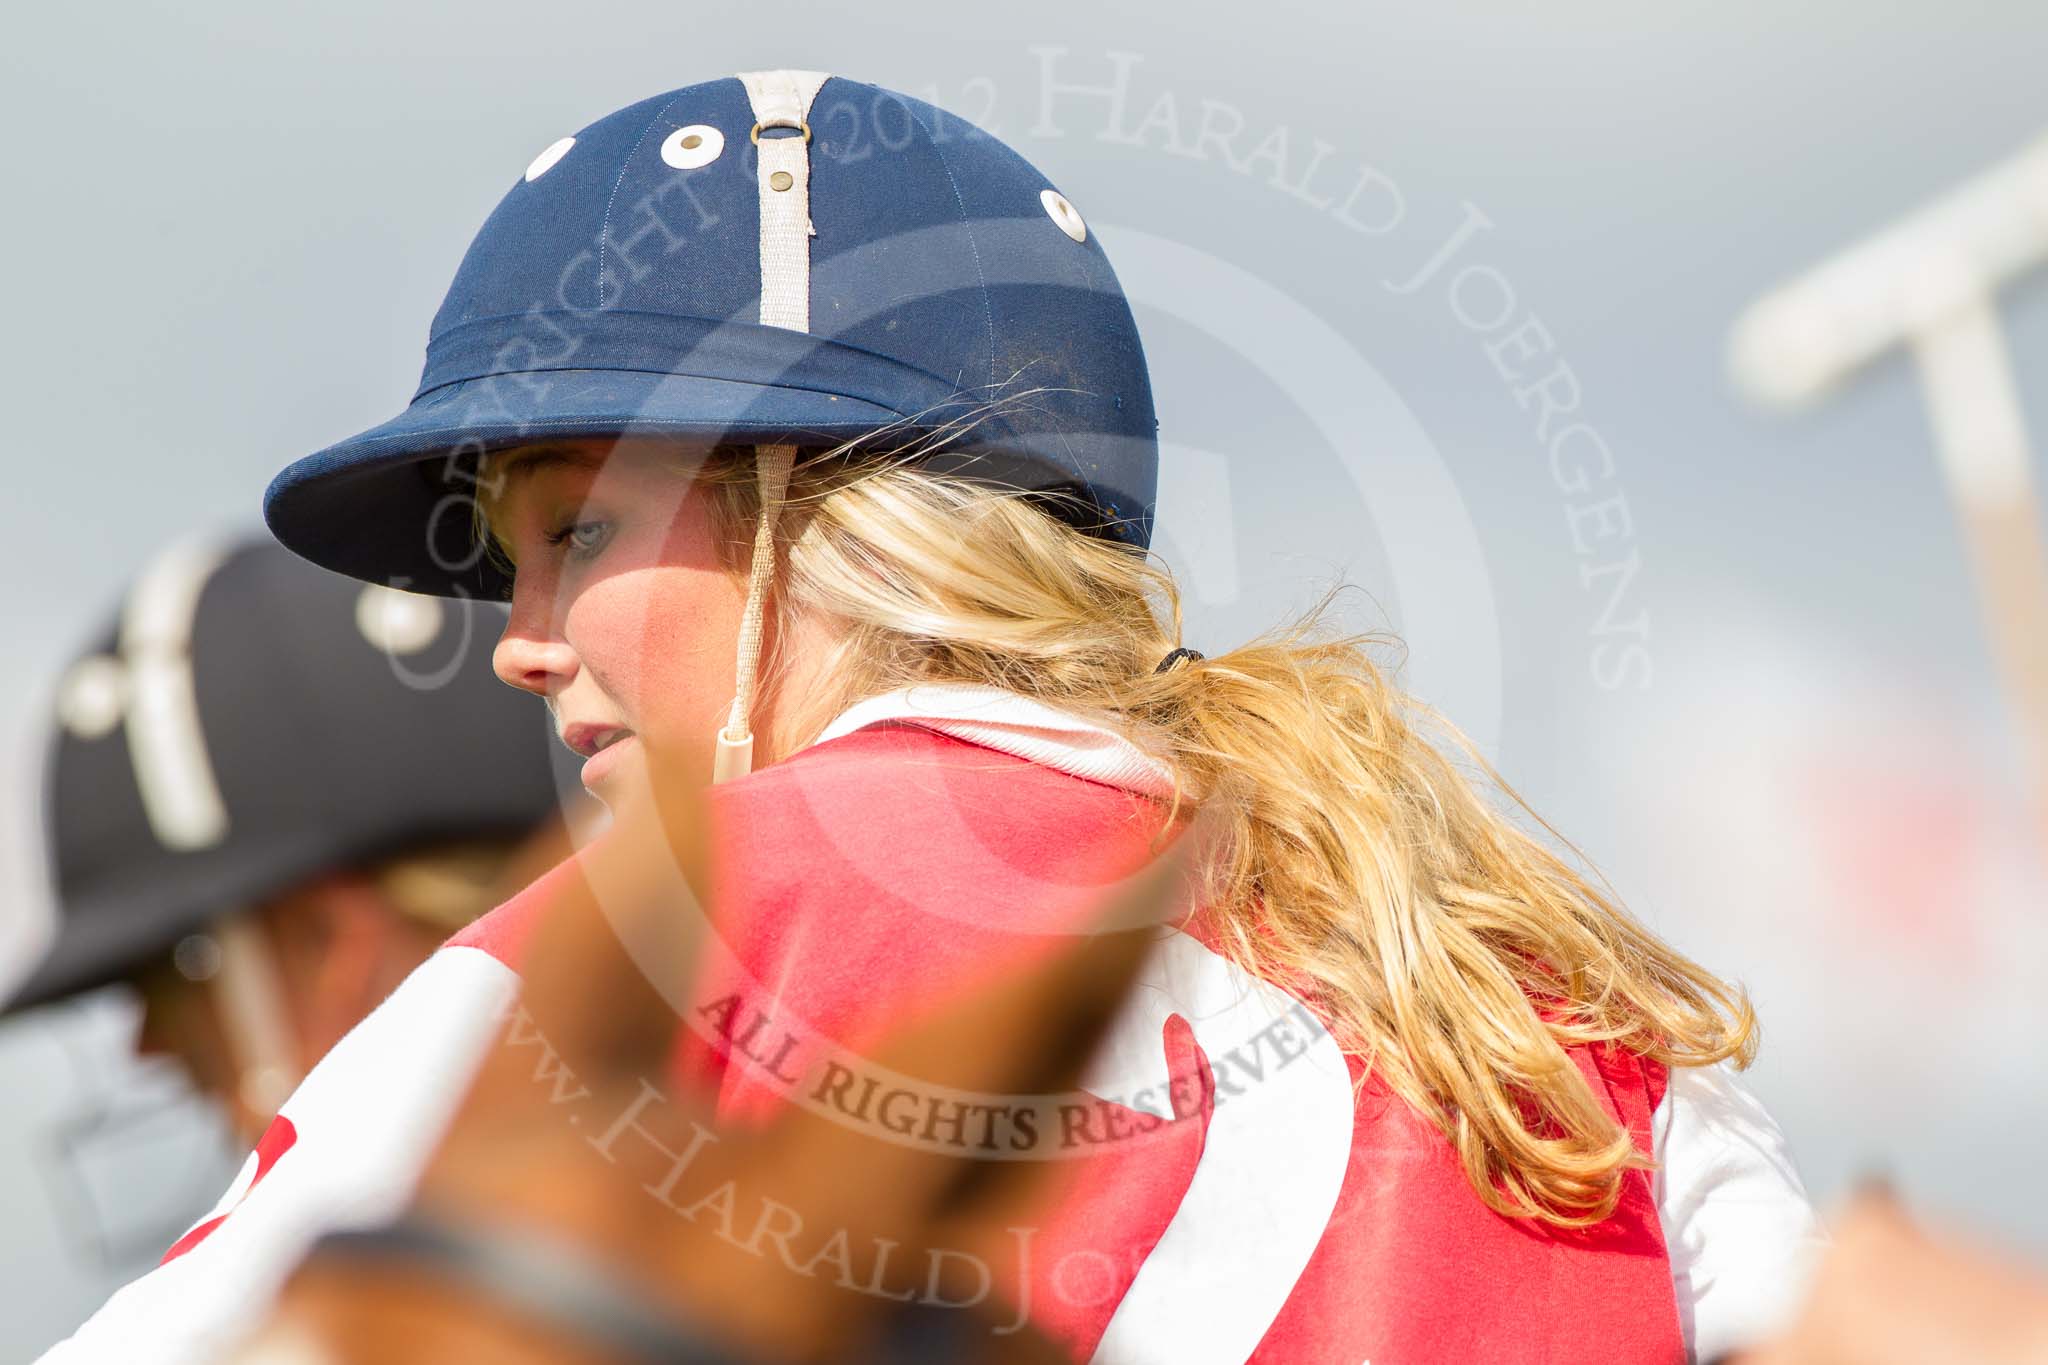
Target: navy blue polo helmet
[(618, 288)]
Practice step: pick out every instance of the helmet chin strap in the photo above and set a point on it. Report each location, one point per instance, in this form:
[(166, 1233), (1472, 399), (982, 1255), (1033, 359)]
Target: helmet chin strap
[(781, 99), (252, 1014), (735, 757)]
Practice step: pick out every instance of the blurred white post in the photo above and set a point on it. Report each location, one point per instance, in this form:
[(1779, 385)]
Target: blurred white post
[(1981, 435), (1930, 284)]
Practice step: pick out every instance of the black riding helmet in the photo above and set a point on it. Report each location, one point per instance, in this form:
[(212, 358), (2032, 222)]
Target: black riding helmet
[(249, 721)]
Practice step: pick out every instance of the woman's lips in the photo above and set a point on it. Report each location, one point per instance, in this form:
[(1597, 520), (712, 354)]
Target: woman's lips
[(608, 756), (600, 746), (590, 740)]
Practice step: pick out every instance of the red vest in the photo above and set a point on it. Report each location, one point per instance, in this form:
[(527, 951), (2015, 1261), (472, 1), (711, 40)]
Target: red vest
[(873, 878)]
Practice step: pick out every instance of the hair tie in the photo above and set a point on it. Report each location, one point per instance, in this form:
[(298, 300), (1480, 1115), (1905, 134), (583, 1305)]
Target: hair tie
[(1190, 655)]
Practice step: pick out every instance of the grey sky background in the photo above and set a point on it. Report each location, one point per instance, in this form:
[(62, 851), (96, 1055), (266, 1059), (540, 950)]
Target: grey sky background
[(227, 227)]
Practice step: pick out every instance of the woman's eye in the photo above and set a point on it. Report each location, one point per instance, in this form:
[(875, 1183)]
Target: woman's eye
[(584, 538)]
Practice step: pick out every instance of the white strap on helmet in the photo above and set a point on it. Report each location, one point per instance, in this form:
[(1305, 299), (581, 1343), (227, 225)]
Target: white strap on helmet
[(250, 994), (781, 99), (166, 742)]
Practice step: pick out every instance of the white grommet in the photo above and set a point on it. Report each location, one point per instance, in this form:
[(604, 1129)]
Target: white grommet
[(397, 622), (545, 162), (93, 696), (1065, 214), (688, 148)]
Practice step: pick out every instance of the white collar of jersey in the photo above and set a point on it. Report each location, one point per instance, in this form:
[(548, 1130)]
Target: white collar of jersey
[(1014, 724)]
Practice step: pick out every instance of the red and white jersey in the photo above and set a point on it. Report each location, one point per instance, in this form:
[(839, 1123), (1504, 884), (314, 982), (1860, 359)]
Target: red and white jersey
[(1231, 1195)]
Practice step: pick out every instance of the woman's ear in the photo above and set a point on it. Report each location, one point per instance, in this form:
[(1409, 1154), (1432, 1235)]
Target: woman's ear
[(333, 941)]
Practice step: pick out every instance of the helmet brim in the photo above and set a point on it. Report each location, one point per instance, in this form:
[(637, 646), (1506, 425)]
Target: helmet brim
[(392, 504)]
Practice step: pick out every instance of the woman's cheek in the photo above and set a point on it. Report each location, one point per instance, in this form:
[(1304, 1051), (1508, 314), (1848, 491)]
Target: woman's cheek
[(606, 633), (628, 640)]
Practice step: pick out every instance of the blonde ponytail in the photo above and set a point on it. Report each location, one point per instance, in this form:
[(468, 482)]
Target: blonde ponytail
[(1457, 954)]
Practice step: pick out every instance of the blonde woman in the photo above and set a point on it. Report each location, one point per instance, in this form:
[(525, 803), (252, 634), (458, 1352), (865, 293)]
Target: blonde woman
[(809, 436)]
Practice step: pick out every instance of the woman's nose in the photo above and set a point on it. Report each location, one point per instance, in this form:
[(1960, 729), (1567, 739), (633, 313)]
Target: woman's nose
[(536, 661)]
